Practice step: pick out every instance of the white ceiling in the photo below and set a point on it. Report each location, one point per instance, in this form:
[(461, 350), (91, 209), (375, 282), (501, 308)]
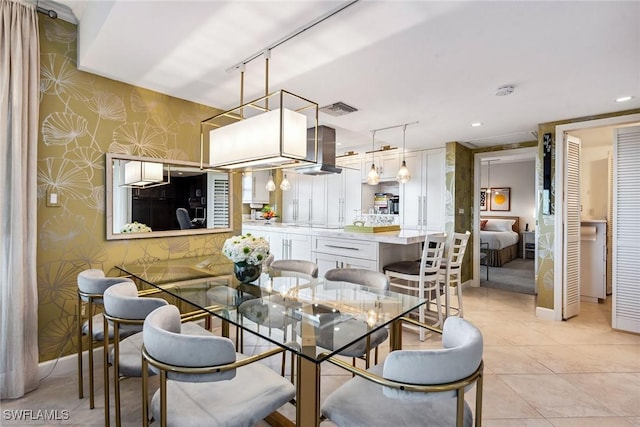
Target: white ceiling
[(438, 63)]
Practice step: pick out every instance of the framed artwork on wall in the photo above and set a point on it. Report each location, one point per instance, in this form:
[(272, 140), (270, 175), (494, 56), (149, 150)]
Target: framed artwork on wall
[(483, 199), (501, 199)]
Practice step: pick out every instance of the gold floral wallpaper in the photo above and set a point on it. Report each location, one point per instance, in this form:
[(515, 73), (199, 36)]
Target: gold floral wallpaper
[(82, 117)]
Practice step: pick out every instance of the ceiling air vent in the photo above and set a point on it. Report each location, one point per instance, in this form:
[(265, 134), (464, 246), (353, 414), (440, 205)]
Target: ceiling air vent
[(338, 109)]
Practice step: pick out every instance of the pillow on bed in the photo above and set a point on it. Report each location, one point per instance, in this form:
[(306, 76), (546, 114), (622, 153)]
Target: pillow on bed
[(499, 225), (483, 222)]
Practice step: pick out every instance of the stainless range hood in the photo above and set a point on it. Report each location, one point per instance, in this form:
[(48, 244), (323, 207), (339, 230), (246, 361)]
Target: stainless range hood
[(326, 152)]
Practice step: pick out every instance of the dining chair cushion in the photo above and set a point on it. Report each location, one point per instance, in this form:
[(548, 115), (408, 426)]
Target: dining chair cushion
[(459, 357), (360, 276), (296, 265), (93, 281), (411, 268), (98, 328), (165, 341), (254, 393), (131, 351), (362, 403), (335, 336), (121, 300)]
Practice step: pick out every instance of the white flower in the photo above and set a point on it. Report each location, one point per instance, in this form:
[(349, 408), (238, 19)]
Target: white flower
[(136, 227), (247, 248)]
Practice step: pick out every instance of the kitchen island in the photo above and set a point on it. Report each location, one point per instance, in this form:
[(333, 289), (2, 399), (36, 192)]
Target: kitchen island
[(336, 248)]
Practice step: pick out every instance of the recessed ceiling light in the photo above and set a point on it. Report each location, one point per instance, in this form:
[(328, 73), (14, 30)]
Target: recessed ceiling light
[(476, 124), (624, 98)]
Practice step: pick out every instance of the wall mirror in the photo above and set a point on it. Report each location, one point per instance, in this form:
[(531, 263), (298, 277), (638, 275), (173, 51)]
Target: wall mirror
[(150, 197)]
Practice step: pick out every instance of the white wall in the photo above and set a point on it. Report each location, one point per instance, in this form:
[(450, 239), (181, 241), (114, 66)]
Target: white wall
[(594, 187), (520, 177)]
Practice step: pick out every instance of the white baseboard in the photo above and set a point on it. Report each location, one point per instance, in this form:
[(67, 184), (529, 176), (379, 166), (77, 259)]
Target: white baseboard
[(545, 313), (68, 364)]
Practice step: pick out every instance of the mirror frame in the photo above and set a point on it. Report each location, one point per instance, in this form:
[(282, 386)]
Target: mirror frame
[(110, 157)]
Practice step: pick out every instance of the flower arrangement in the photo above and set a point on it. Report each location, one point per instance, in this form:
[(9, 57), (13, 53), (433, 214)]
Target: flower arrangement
[(246, 248), (136, 227), (268, 212)]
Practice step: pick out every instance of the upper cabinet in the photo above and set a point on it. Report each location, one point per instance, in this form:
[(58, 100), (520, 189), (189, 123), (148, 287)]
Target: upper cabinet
[(387, 165), (422, 198), (253, 187), (305, 202)]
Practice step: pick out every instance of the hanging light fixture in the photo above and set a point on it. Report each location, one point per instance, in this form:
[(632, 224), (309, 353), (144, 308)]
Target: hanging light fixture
[(265, 133), (403, 176), (270, 186), (139, 174), (285, 184), (373, 178), (488, 176)]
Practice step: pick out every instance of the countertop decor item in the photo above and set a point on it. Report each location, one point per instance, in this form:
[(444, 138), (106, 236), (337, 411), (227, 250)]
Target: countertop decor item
[(268, 213), (247, 253)]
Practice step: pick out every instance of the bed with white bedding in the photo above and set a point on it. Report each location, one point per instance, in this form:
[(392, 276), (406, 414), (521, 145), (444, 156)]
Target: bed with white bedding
[(499, 239)]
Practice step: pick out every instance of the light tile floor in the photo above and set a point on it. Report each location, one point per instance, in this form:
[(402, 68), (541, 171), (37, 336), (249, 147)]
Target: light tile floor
[(538, 373)]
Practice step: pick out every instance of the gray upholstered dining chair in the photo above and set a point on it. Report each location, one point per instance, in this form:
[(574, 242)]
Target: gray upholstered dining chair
[(421, 276), (203, 381), (256, 311), (91, 286), (125, 312), (415, 387), (330, 338), (303, 267)]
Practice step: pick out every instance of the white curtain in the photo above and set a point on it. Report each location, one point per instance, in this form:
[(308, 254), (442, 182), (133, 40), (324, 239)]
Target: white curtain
[(19, 98)]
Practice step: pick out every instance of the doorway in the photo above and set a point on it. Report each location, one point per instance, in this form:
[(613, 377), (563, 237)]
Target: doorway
[(561, 164), (515, 171)]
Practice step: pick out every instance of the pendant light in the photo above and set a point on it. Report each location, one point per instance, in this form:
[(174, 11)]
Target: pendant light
[(489, 177), (373, 178), (271, 186), (285, 184), (403, 175)]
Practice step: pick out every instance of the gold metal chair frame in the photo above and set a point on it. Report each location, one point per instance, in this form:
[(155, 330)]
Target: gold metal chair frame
[(458, 386), (91, 307), (164, 368), (116, 322)]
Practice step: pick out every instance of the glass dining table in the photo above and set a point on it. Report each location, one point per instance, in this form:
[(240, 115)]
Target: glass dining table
[(286, 310)]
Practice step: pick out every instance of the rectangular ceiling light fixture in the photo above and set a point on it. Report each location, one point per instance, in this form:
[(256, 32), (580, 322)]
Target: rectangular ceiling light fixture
[(138, 174), (269, 132)]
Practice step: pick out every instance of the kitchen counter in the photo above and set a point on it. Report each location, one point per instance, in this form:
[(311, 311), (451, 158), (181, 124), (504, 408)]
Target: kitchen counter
[(402, 237)]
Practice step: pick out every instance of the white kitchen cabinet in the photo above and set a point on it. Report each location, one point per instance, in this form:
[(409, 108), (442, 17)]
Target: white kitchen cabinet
[(344, 196), (305, 202), (422, 199), (284, 245), (253, 187), (387, 165), (330, 253), (290, 246)]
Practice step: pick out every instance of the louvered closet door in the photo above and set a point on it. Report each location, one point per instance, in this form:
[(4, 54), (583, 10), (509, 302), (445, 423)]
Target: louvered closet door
[(626, 230), (571, 282)]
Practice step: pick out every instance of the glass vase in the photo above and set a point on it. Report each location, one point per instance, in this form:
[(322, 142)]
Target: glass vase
[(246, 273)]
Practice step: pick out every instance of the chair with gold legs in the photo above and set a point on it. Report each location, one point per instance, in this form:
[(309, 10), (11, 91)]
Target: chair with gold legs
[(91, 286), (415, 387), (331, 338), (203, 381)]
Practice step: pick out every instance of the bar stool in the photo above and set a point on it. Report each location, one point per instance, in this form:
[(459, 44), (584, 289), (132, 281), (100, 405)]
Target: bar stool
[(422, 276), (451, 271), (91, 286)]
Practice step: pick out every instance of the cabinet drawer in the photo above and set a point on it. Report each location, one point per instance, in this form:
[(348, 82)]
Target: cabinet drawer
[(348, 248)]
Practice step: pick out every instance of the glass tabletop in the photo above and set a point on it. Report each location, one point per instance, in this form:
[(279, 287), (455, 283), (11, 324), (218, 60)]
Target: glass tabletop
[(287, 310)]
